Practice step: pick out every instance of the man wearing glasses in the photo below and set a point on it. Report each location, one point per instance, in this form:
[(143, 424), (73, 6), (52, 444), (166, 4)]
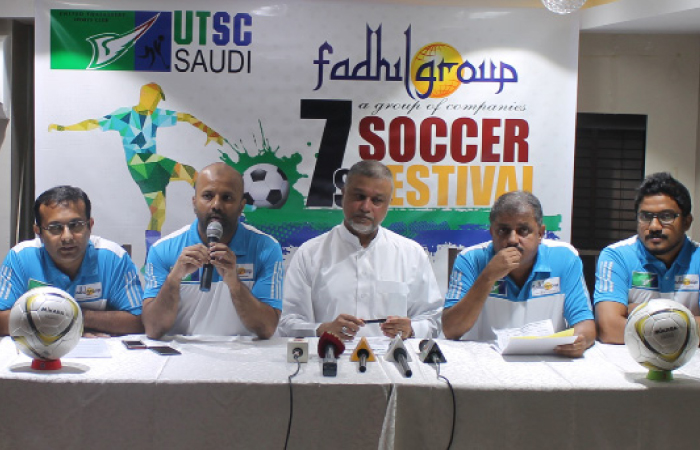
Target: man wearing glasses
[(99, 274), (659, 262)]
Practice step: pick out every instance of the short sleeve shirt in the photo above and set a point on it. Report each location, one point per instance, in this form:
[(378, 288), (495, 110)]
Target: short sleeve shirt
[(259, 265), (107, 279), (555, 290)]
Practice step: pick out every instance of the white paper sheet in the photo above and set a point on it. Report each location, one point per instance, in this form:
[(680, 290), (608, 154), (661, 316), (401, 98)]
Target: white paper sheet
[(537, 346), (90, 348)]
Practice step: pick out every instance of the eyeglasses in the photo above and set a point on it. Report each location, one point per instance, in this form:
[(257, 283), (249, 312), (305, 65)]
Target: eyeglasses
[(665, 217), (74, 226)]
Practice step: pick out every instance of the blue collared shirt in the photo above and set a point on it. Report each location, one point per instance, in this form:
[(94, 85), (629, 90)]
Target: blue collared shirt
[(628, 273), (259, 265), (555, 290), (107, 279)]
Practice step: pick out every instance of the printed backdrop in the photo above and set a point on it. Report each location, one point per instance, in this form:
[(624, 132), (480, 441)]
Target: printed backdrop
[(461, 104)]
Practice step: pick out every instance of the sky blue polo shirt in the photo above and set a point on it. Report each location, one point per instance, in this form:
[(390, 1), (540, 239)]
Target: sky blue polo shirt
[(107, 279), (628, 273), (259, 265), (555, 290)]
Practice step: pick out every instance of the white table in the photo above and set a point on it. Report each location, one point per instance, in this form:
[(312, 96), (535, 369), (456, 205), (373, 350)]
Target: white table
[(215, 395), (235, 394), (601, 401)]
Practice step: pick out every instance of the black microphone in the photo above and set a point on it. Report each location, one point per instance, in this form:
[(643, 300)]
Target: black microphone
[(397, 352), (214, 232), (430, 352), (329, 348), (400, 355), (363, 354)]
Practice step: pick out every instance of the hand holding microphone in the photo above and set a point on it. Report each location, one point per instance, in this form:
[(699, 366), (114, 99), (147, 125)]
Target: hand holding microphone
[(214, 232)]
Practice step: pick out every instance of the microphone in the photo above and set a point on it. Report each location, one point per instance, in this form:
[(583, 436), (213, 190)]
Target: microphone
[(362, 354), (430, 352), (214, 232), (397, 353), (329, 348)]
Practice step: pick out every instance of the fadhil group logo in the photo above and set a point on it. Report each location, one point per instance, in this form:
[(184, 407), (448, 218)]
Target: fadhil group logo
[(111, 40)]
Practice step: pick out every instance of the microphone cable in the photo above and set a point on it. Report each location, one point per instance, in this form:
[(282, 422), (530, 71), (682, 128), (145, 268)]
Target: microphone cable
[(297, 354), (454, 402)]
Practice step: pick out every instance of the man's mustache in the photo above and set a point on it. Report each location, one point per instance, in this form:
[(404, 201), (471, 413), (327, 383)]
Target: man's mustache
[(655, 235), (520, 249)]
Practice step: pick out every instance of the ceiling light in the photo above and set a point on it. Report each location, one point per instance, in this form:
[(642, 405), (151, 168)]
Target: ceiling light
[(563, 6)]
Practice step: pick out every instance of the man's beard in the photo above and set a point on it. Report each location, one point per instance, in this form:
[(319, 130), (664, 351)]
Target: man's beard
[(361, 228)]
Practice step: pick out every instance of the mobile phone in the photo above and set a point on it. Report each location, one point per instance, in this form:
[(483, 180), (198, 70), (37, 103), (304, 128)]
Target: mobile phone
[(134, 345), (164, 350)]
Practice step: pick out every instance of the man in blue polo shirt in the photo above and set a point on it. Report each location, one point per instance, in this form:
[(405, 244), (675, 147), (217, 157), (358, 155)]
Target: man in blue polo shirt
[(659, 262), (246, 291), (98, 273), (518, 278)]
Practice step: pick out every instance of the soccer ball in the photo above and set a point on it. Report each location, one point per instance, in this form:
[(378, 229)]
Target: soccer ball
[(661, 335), (46, 323), (265, 186)]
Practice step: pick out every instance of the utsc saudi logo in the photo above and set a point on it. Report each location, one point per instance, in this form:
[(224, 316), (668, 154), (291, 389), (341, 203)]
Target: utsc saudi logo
[(111, 40), (151, 41)]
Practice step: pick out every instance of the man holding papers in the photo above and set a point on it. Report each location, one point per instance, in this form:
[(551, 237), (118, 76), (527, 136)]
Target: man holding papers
[(659, 262), (345, 280), (518, 278)]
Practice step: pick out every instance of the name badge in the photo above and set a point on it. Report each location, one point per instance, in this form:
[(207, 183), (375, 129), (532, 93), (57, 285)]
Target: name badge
[(245, 271), (689, 282), (546, 287), (645, 280), (88, 291)]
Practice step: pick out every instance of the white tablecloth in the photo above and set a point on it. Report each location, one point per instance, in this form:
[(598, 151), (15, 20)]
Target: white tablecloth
[(235, 394)]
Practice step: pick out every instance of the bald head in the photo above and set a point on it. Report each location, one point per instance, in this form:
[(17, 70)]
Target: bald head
[(218, 197), (220, 171)]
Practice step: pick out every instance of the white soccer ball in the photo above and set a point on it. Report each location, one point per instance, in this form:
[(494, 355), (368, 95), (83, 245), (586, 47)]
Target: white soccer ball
[(661, 334), (265, 186), (46, 323)]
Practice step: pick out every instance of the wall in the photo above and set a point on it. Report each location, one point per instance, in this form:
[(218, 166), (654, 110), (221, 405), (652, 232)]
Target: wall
[(655, 75), (5, 145)]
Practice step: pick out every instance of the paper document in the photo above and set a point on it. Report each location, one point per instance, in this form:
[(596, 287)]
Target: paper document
[(378, 344), (90, 348), (537, 338)]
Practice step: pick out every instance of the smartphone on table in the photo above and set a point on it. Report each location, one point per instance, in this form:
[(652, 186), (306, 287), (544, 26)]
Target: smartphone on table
[(164, 350), (134, 345)]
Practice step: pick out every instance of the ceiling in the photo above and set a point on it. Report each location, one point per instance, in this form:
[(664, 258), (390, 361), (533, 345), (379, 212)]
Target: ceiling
[(641, 16), (597, 16)]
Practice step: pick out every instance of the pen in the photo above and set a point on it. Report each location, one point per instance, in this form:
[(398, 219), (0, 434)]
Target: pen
[(374, 321)]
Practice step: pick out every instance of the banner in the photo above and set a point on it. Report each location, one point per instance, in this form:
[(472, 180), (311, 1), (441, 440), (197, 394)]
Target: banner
[(461, 104)]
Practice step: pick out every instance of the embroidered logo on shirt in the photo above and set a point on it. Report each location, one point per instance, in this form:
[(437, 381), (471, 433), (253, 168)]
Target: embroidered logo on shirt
[(546, 287), (88, 291), (35, 284), (499, 288), (689, 282), (645, 280), (245, 271)]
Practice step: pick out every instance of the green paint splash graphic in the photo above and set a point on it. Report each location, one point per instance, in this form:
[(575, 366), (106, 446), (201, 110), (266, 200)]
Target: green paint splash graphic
[(292, 224)]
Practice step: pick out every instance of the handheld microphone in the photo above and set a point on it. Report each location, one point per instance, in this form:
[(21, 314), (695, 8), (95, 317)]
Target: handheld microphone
[(397, 353), (329, 348), (214, 232), (430, 352), (362, 354)]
